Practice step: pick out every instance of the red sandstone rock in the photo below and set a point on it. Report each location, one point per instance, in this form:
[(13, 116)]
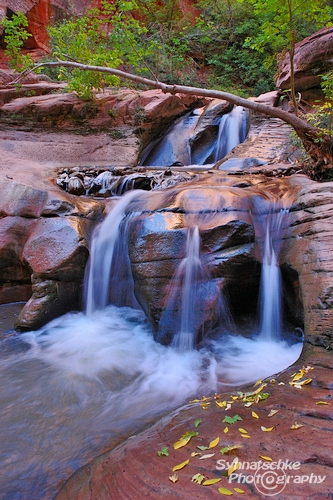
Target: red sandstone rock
[(313, 58)]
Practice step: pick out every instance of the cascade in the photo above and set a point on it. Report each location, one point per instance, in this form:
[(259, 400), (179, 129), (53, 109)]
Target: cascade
[(102, 252), (183, 302), (232, 131), (270, 285), (181, 145)]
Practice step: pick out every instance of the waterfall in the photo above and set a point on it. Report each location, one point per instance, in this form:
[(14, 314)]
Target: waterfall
[(102, 252), (232, 131), (190, 271), (270, 301)]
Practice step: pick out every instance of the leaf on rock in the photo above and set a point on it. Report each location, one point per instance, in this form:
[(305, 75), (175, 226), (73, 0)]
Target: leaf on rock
[(198, 478), (203, 448), (214, 443), (234, 466), (184, 440), (238, 490), (195, 453), (197, 422), (163, 452), (180, 466), (254, 414), (245, 436), (231, 420), (242, 431), (221, 404), (268, 459), (208, 482), (267, 429), (225, 491), (296, 426), (226, 429), (322, 403), (299, 384), (208, 455), (226, 449), (272, 412), (173, 478)]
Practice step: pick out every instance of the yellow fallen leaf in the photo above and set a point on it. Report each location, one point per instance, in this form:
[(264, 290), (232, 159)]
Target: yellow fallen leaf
[(234, 398), (225, 491), (238, 490), (211, 481), (173, 478), (245, 436), (300, 383), (209, 455), (267, 429), (257, 383), (254, 414), (221, 404), (258, 390), (242, 431), (322, 403), (195, 453), (214, 443), (180, 466), (182, 442), (235, 465), (205, 405), (225, 430), (298, 375), (272, 412), (247, 405), (296, 426), (268, 459)]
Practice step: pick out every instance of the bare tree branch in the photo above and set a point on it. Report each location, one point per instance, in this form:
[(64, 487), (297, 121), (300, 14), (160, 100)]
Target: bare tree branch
[(318, 145)]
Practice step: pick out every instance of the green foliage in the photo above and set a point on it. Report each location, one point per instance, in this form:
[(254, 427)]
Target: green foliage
[(163, 452), (108, 36), (15, 34), (231, 45), (280, 24), (169, 29), (325, 112), (220, 35)]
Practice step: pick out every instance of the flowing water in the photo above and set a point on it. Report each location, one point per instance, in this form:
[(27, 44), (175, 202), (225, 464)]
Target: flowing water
[(88, 380)]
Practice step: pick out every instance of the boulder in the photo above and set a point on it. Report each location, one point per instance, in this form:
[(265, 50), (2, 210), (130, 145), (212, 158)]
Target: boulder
[(43, 250), (225, 213), (313, 58)]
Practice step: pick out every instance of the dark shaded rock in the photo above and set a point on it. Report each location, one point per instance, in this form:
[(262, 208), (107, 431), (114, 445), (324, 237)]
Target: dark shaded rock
[(50, 298)]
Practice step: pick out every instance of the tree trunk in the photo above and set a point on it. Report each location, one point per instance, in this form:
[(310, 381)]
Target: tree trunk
[(319, 146)]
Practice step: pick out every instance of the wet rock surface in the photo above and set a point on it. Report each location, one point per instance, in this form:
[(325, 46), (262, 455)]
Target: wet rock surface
[(296, 434)]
